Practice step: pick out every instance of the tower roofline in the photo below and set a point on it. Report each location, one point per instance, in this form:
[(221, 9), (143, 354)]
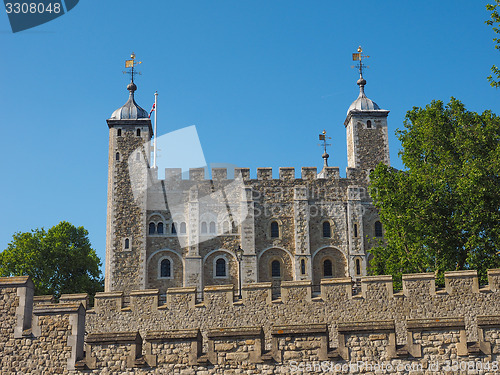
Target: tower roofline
[(377, 113)]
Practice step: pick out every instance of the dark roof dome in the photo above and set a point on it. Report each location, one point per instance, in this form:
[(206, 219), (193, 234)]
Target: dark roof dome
[(130, 110)]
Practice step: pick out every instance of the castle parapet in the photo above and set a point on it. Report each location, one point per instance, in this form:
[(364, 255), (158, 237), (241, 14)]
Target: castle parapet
[(219, 174), (309, 173), (235, 345), (82, 298), (335, 289), (264, 174), (377, 287), (144, 300), (197, 174), (108, 301), (243, 173), (114, 349), (302, 342), (257, 293), (295, 291), (173, 174), (173, 347), (419, 284), (219, 294), (494, 279), (181, 297), (457, 282), (287, 174)]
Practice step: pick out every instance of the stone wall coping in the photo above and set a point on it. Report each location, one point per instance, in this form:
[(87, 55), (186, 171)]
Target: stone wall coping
[(431, 324), (145, 292), (494, 272), (488, 320), (186, 289), (109, 295), (364, 326), (300, 329), (114, 338), (219, 288), (177, 334), (15, 281), (57, 308), (460, 274), (234, 332), (343, 280), (73, 296), (419, 276), (257, 286), (295, 283), (49, 298), (377, 279)]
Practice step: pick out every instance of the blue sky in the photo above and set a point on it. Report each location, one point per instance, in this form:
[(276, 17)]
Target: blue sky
[(259, 79)]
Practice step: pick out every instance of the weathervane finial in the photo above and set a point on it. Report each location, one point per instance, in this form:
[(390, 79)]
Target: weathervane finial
[(359, 56), (323, 137), (132, 64)]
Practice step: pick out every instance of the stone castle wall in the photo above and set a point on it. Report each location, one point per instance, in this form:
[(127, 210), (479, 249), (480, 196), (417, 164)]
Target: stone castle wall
[(419, 328)]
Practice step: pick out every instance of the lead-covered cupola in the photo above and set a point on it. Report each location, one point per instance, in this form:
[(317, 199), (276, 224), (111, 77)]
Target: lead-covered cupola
[(130, 110)]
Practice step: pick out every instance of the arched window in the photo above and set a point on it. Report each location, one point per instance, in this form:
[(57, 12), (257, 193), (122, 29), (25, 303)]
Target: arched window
[(369, 124), (225, 227), (183, 228), (174, 229), (327, 268), (302, 266), (117, 156), (327, 230), (275, 268), (275, 229), (355, 230), (212, 227), (138, 132), (159, 228), (220, 267), (119, 132), (234, 228), (378, 229), (358, 267), (152, 228), (126, 244), (204, 228), (165, 268)]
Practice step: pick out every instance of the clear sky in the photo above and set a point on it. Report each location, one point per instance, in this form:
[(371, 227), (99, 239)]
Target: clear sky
[(259, 79)]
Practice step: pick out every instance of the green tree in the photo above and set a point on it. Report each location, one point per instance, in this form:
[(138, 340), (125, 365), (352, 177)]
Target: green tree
[(59, 260), (494, 21), (443, 212)]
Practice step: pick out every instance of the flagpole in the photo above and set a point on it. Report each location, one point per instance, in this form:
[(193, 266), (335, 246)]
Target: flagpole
[(156, 134)]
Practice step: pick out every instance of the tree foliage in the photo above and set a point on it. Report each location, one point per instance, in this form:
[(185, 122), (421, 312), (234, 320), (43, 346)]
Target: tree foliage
[(443, 212), (59, 260), (494, 21)]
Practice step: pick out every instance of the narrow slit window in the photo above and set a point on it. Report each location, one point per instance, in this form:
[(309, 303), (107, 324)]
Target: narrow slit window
[(117, 156), (119, 133), (225, 227), (303, 267), (165, 268), (159, 229), (358, 267), (126, 245), (152, 228), (138, 132), (327, 268), (369, 124), (212, 227), (183, 228), (327, 229), (220, 267), (174, 229), (204, 228), (355, 230), (378, 229), (275, 268), (275, 229)]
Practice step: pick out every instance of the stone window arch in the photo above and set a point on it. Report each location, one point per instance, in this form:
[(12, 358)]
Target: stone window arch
[(182, 228), (165, 268), (274, 229), (357, 266), (119, 132), (276, 269), (117, 156), (378, 229), (138, 132), (327, 229), (355, 230), (159, 228), (302, 266), (220, 267), (369, 124), (204, 227), (152, 228), (126, 244), (212, 228), (327, 268), (174, 228)]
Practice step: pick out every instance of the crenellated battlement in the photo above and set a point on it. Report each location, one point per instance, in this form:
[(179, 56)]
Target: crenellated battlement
[(262, 174), (129, 332)]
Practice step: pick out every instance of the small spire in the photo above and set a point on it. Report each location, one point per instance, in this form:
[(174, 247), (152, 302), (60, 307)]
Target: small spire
[(361, 81), (323, 137)]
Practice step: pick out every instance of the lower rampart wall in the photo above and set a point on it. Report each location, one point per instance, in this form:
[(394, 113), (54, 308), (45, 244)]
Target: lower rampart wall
[(419, 330)]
